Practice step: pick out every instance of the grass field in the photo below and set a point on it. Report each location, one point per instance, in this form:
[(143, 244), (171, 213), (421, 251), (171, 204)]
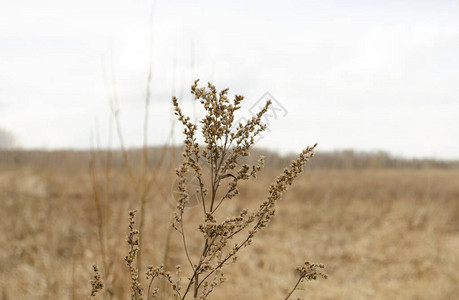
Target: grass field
[(382, 234)]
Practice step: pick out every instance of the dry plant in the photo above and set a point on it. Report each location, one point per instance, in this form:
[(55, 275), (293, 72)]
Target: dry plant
[(101, 162), (225, 145), (223, 237), (96, 282)]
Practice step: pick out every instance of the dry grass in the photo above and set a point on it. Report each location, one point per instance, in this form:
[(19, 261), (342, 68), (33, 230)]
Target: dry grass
[(382, 234)]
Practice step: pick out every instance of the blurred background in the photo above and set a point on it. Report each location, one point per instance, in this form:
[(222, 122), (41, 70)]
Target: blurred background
[(351, 75), (87, 131)]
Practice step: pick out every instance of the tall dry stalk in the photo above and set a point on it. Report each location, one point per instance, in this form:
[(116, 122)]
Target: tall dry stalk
[(141, 185), (217, 167), (225, 144), (101, 207), (102, 202)]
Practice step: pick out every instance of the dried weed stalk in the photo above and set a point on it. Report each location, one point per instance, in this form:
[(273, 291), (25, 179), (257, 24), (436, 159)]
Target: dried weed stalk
[(225, 144), (133, 242)]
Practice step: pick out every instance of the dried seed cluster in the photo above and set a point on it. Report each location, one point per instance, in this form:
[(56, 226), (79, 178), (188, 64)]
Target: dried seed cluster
[(96, 283), (311, 271), (159, 272), (133, 242)]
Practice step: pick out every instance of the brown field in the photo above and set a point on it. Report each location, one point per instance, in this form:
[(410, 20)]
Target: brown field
[(382, 233)]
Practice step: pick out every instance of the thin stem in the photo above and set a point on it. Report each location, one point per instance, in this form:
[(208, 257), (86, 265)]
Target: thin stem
[(201, 191), (108, 163), (249, 237), (195, 273), (149, 287), (226, 259), (166, 257), (100, 222), (221, 201), (113, 101), (294, 288), (184, 243), (191, 281)]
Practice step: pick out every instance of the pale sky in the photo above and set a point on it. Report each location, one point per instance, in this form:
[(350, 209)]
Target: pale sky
[(366, 75)]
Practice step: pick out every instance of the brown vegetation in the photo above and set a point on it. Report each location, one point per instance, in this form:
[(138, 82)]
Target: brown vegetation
[(381, 232)]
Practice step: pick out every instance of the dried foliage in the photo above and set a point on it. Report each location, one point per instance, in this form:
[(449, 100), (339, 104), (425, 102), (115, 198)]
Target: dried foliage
[(96, 283), (218, 172)]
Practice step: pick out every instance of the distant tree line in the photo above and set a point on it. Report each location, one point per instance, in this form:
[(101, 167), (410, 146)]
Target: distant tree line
[(347, 159)]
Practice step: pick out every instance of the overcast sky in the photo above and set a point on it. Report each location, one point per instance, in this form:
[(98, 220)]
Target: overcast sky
[(367, 75)]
